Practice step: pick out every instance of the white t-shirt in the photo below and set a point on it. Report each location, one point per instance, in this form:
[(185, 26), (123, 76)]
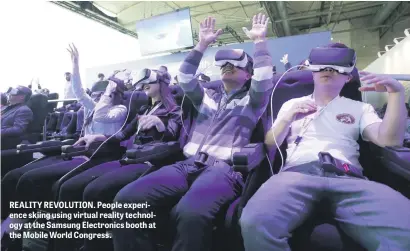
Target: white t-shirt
[(335, 130)]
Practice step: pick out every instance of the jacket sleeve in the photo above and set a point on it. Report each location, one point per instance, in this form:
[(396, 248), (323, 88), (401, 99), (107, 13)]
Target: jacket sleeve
[(78, 90), (107, 113), (261, 85), (129, 130), (126, 133), (22, 119), (173, 125), (186, 76)]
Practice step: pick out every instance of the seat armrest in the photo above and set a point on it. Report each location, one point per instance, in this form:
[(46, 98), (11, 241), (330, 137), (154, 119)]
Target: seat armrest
[(43, 146), (8, 152), (151, 151), (68, 152), (395, 159), (249, 157)]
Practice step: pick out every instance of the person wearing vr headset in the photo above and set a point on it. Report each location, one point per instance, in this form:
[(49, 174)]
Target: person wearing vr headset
[(15, 117), (158, 121), (322, 130), (205, 182), (105, 114)]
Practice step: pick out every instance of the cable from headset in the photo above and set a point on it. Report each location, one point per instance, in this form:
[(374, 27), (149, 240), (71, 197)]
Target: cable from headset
[(271, 111), (182, 113)]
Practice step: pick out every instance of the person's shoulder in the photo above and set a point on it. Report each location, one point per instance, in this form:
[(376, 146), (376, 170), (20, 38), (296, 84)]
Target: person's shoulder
[(24, 109), (355, 105), (120, 107)]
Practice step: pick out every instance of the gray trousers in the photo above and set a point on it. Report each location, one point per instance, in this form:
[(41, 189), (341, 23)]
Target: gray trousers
[(374, 215)]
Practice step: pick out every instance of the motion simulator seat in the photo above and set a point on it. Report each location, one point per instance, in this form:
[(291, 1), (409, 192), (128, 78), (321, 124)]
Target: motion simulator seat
[(244, 162), (68, 130), (320, 231), (37, 103), (66, 149)]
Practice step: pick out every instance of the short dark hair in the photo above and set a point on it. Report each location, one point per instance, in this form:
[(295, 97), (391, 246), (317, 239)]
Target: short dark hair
[(100, 75), (163, 66), (336, 45), (67, 73)]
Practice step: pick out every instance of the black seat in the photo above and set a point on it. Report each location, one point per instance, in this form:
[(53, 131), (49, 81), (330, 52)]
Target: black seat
[(52, 106), (320, 231), (38, 105)]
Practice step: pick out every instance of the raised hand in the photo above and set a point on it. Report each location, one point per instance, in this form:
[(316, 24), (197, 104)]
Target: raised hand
[(285, 60), (259, 28), (207, 35), (111, 87), (74, 53), (379, 83)]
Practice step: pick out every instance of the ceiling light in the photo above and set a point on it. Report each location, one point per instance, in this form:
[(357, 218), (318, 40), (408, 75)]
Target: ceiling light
[(380, 53), (388, 47), (397, 40)]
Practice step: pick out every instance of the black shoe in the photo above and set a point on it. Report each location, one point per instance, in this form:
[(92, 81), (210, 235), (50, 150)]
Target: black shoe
[(9, 244)]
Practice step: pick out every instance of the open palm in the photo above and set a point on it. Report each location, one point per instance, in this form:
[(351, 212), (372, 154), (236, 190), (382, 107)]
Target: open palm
[(207, 35), (74, 53), (259, 27)]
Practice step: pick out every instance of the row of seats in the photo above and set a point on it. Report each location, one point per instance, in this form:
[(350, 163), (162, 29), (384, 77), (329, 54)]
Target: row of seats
[(387, 165)]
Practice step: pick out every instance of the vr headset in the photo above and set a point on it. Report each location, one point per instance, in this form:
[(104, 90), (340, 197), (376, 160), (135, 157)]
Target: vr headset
[(237, 58), (148, 76), (101, 86), (342, 60), (20, 90)]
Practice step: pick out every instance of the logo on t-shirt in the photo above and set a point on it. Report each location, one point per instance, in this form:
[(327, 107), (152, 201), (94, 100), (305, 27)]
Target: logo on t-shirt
[(345, 118)]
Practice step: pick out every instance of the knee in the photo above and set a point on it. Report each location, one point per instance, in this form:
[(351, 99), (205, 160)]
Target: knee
[(190, 214), (67, 191), (250, 221), (254, 223), (11, 178), (93, 192), (25, 182), (130, 194)]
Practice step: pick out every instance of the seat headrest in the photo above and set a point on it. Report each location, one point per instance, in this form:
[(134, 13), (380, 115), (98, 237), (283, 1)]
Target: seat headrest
[(299, 83), (37, 101), (52, 96), (294, 84)]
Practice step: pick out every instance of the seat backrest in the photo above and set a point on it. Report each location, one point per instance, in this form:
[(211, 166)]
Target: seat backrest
[(38, 105), (80, 121), (138, 100), (52, 106), (69, 123)]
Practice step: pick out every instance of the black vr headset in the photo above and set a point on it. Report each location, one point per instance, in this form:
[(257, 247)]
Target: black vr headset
[(236, 57), (100, 87), (342, 60)]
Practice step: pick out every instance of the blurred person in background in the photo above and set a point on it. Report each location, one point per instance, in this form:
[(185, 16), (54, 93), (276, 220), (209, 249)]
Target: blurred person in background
[(68, 90), (101, 76), (163, 68), (104, 114), (15, 117)]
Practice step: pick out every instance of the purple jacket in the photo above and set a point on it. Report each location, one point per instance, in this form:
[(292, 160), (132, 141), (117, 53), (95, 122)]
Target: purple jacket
[(226, 121)]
